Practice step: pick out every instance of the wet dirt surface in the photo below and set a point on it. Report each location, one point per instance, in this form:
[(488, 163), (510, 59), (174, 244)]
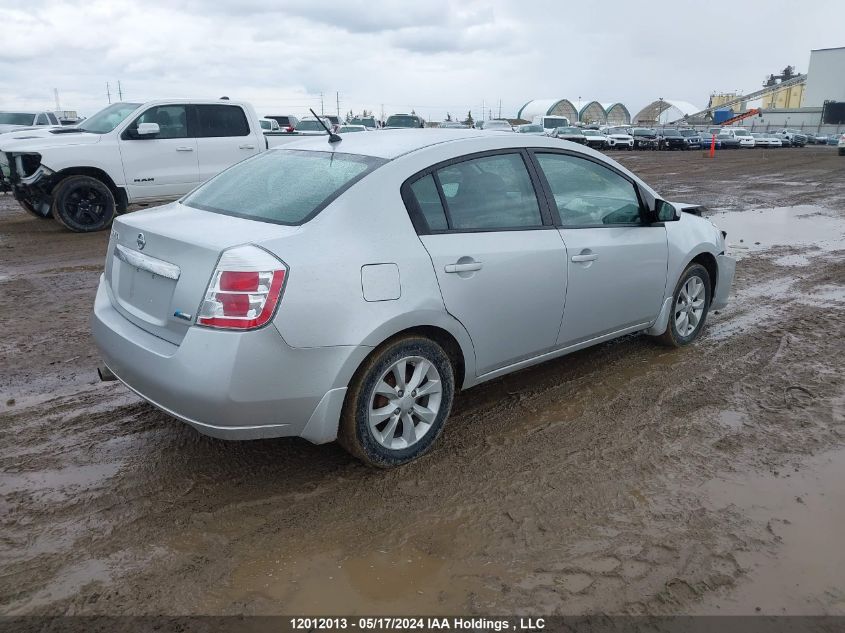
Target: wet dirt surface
[(626, 478)]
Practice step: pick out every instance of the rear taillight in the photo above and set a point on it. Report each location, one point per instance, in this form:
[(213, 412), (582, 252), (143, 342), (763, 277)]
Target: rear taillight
[(244, 290)]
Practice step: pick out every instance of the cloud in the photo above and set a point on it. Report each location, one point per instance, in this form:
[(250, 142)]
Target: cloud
[(434, 56)]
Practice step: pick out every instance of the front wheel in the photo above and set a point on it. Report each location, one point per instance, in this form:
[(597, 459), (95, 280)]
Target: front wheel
[(690, 304), (83, 204), (397, 403)]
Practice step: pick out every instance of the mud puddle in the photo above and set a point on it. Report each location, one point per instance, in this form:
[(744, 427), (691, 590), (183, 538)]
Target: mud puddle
[(798, 226), (803, 506)]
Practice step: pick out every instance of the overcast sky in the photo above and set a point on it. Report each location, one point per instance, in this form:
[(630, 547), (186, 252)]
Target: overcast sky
[(430, 55)]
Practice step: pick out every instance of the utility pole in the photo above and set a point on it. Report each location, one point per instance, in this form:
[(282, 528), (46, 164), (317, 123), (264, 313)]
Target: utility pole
[(119, 91), (108, 92), (382, 113), (322, 111), (500, 109), (337, 96), (56, 94)]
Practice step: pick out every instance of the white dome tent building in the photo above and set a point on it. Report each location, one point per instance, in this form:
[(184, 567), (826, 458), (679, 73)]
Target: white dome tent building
[(664, 111), (587, 112)]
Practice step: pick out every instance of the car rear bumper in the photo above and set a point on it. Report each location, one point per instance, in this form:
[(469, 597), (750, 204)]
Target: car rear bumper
[(724, 281), (229, 385)]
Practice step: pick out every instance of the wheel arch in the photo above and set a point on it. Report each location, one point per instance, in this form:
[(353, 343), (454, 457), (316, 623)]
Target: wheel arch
[(119, 193), (439, 327), (708, 260)]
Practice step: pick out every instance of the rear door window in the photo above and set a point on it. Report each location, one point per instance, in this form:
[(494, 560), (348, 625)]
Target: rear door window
[(491, 192), (216, 120), (282, 186)]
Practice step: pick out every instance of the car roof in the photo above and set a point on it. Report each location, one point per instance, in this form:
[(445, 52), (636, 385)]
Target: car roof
[(392, 143)]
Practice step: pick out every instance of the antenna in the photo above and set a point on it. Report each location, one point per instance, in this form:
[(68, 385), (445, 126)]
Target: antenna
[(333, 138)]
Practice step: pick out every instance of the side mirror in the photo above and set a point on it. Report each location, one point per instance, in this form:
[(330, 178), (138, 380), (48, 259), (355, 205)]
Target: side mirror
[(663, 212), (148, 129)]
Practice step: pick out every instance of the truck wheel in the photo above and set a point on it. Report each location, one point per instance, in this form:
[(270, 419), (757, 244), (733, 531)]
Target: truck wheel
[(29, 208), (83, 204), (397, 403)]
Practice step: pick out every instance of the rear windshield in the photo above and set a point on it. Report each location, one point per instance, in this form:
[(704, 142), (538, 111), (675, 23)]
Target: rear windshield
[(282, 186), (403, 120)]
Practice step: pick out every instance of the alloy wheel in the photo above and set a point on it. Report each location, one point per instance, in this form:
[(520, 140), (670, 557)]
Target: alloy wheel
[(405, 403), (689, 306)]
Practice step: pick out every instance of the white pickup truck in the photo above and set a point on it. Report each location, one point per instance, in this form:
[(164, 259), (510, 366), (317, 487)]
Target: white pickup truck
[(127, 153)]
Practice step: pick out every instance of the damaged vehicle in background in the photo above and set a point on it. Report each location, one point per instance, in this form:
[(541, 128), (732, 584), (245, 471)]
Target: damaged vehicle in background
[(458, 250), (128, 153)]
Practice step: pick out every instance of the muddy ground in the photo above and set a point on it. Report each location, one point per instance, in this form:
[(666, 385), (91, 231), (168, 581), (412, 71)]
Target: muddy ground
[(627, 478)]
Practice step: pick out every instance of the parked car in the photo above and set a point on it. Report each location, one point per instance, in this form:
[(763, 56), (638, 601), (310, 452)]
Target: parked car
[(764, 139), (645, 138), (573, 134), (287, 122), (125, 154), (783, 138), (551, 122), (335, 121), (531, 128), (692, 138), (841, 145), (619, 138), (796, 137), (497, 125), (311, 126), (15, 121), (670, 138), (269, 125), (455, 125), (728, 141), (369, 345), (811, 138), (368, 122), (833, 139), (741, 134), (404, 121), (343, 129), (595, 139)]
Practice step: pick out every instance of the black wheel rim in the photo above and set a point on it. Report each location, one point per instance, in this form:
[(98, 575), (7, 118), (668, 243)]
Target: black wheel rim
[(86, 205)]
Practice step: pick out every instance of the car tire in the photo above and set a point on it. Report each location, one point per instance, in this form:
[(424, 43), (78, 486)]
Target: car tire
[(33, 211), (83, 204), (692, 287), (370, 427)]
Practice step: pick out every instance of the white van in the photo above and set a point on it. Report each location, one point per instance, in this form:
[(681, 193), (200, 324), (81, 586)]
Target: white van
[(741, 134), (551, 123)]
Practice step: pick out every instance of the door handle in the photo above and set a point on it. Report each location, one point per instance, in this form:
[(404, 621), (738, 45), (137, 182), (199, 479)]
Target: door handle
[(463, 268), (585, 258), (246, 146), (184, 149)]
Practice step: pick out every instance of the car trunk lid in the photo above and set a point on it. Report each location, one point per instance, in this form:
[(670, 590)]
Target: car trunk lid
[(160, 261)]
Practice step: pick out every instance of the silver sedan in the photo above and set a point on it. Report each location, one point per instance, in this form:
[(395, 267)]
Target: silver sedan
[(345, 291)]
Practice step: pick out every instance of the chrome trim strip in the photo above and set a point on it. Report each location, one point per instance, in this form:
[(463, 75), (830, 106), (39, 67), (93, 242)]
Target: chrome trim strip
[(145, 262)]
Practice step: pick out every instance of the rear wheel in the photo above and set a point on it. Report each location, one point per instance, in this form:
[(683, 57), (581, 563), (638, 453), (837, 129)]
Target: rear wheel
[(397, 403), (83, 204), (690, 304)]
